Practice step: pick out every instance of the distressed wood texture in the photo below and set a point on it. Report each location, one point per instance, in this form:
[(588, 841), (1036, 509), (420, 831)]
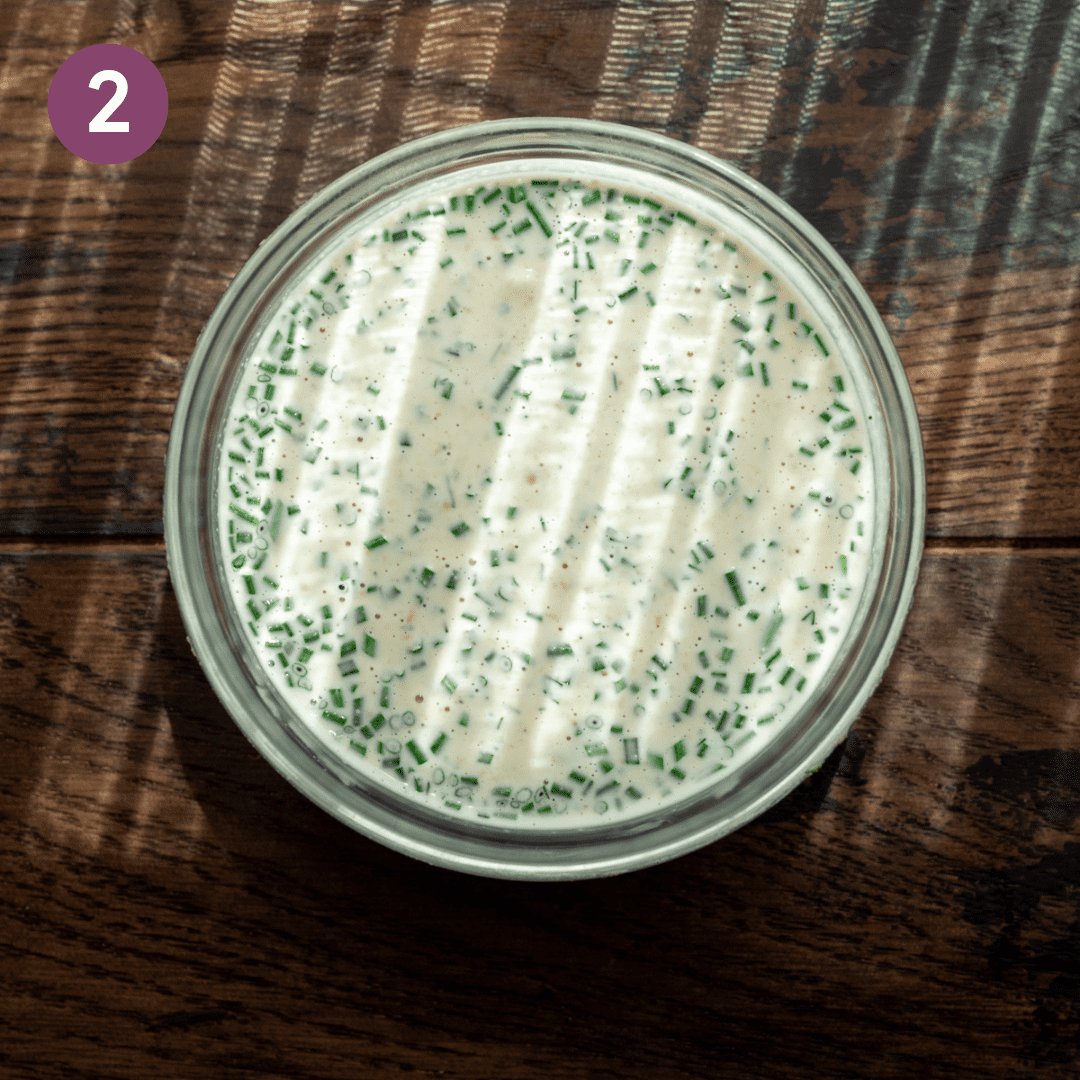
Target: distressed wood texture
[(937, 150), (170, 907), (168, 899)]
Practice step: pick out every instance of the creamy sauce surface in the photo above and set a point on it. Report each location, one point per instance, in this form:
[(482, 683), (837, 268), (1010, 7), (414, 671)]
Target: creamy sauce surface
[(544, 499)]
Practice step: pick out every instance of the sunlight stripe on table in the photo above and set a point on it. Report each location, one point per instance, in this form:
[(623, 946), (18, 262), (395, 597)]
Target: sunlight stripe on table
[(828, 22), (351, 92), (453, 66), (745, 78), (643, 63), (235, 165), (108, 778), (164, 814)]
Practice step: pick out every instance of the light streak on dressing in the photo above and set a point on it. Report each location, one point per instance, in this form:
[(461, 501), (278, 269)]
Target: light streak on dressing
[(690, 524)]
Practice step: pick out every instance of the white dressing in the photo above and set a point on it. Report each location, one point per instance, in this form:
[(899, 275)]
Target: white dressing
[(545, 499)]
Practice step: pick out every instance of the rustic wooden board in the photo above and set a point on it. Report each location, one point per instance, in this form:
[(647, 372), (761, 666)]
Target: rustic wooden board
[(169, 899), (907, 137), (169, 906)]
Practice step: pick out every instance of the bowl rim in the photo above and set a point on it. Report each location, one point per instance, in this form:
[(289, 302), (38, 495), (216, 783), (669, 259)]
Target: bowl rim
[(490, 856)]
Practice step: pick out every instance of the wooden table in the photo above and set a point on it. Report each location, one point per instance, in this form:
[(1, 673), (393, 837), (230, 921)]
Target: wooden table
[(170, 907)]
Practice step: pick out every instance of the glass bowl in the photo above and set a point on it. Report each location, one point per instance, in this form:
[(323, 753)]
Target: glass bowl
[(609, 845)]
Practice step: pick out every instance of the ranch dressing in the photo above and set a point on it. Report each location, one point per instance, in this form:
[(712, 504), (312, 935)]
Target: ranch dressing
[(544, 498)]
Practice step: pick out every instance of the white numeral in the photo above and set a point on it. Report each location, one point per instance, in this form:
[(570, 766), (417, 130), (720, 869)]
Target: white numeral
[(101, 122)]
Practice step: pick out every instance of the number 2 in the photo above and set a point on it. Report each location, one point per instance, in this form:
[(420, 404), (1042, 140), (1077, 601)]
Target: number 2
[(101, 121)]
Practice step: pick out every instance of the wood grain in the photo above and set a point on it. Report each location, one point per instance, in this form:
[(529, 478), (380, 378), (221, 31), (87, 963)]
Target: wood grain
[(109, 272), (169, 906), (168, 897)]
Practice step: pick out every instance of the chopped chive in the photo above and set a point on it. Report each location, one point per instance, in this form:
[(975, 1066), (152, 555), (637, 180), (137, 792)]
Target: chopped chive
[(544, 226), (733, 582), (507, 380)]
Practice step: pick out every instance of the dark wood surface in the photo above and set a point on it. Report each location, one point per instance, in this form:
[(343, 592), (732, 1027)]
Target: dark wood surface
[(170, 907)]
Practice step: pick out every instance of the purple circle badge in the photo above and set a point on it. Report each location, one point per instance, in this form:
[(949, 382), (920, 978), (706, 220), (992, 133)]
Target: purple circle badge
[(108, 104)]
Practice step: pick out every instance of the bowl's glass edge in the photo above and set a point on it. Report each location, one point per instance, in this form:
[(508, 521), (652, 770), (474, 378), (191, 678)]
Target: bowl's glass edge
[(181, 492)]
